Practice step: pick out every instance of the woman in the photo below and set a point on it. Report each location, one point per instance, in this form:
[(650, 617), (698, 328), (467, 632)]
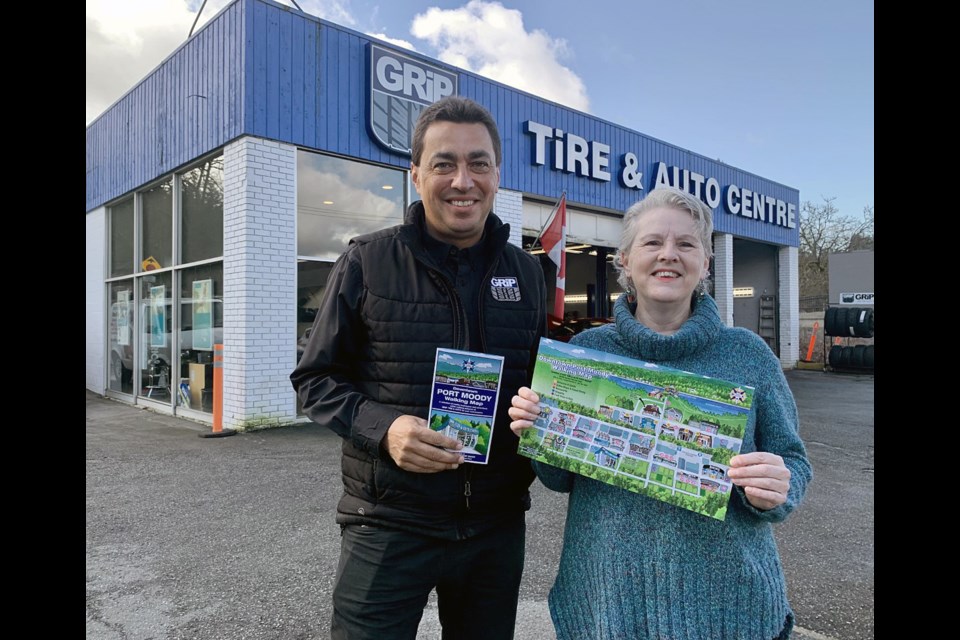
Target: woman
[(636, 567)]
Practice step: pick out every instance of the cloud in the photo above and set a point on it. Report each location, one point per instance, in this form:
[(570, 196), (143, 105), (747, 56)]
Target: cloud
[(127, 39), (394, 41), (489, 39), (358, 209), (332, 10)]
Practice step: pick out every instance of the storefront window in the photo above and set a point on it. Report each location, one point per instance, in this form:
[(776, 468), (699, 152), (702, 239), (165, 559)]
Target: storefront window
[(201, 202), (147, 357), (155, 332), (156, 227), (121, 239), (201, 327), (120, 340), (338, 199), (311, 284)]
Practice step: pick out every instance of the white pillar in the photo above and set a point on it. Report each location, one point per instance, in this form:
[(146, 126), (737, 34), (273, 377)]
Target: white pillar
[(509, 208), (95, 307), (260, 279), (789, 270), (723, 275)]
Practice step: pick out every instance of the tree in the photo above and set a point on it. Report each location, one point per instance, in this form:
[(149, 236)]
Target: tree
[(863, 241), (824, 231)]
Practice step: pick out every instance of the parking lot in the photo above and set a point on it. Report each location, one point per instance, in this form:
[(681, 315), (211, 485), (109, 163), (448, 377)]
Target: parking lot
[(234, 538)]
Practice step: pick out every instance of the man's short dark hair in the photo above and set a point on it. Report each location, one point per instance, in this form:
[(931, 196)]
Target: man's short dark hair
[(454, 109)]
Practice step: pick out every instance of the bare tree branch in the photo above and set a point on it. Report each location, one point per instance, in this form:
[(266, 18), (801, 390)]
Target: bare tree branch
[(824, 231)]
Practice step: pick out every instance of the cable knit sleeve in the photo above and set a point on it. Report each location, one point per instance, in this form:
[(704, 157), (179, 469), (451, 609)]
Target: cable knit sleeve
[(778, 431)]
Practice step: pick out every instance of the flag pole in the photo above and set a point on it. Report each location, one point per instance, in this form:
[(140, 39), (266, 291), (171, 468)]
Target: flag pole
[(556, 207)]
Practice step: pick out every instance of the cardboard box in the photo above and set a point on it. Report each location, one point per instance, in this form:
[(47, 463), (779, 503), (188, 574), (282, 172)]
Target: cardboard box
[(201, 377)]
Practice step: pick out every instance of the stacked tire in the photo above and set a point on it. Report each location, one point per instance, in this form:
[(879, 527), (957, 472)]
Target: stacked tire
[(850, 322)]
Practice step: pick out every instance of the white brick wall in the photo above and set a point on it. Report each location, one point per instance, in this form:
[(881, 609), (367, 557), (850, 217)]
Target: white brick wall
[(96, 230), (260, 279), (509, 207), (723, 275), (789, 270)]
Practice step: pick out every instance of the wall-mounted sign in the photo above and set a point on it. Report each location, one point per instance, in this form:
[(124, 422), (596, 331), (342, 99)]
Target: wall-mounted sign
[(400, 87), (150, 264), (203, 315), (567, 152), (158, 316), (743, 292), (122, 314), (856, 298)]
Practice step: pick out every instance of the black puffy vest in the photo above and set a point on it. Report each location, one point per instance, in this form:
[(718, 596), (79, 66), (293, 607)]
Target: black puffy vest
[(408, 310)]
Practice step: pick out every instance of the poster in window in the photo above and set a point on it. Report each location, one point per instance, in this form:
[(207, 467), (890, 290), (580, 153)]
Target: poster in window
[(203, 315), (123, 318), (158, 320)]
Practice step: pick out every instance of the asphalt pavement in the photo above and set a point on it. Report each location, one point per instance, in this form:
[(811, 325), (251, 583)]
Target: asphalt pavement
[(234, 538)]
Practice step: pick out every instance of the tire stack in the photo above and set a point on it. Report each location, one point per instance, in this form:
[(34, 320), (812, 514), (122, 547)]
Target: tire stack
[(850, 322)]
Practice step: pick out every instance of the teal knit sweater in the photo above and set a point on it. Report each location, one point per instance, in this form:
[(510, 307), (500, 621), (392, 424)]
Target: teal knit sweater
[(636, 568)]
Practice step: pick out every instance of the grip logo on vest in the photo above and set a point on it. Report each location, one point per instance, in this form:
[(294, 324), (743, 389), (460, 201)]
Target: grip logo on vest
[(400, 87), (505, 289)]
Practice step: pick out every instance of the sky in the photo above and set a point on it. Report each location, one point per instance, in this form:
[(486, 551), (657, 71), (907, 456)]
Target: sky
[(780, 89)]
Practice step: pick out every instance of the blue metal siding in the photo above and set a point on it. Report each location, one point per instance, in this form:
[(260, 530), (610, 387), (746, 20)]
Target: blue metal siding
[(307, 84), (263, 69), (185, 108), (343, 93)]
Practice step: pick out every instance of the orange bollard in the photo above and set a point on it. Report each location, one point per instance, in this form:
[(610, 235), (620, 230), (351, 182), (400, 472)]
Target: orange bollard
[(813, 339), (218, 430)]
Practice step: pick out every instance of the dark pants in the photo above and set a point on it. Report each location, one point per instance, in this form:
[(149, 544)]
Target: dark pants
[(385, 577)]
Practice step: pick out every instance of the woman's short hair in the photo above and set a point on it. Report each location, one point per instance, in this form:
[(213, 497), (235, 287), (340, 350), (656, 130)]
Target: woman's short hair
[(670, 198)]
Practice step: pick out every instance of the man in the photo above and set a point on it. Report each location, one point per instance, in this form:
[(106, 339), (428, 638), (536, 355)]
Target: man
[(414, 516)]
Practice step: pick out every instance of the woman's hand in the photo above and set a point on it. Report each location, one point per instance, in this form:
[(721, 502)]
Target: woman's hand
[(763, 476), (524, 409)]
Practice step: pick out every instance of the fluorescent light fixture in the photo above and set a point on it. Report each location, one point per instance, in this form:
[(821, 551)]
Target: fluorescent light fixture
[(574, 249), (328, 202), (387, 187), (581, 298)]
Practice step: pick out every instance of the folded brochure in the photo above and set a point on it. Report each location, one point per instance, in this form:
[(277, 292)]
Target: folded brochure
[(661, 432), (463, 401)]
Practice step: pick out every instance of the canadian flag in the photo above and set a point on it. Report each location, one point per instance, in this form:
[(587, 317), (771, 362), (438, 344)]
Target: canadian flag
[(554, 241)]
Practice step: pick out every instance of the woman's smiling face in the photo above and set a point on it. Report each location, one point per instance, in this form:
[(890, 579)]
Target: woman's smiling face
[(666, 260)]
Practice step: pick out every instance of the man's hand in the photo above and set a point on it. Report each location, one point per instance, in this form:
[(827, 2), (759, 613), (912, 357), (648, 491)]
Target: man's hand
[(417, 448)]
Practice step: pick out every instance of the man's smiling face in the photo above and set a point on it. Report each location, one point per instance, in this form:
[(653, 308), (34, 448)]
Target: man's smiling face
[(457, 179)]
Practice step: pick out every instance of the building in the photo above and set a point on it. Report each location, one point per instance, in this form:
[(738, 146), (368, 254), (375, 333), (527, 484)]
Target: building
[(221, 188), (850, 279)]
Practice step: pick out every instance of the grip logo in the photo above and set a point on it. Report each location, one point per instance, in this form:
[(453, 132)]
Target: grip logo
[(400, 87)]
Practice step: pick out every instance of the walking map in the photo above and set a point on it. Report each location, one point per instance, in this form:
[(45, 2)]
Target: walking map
[(661, 432), (463, 402)]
